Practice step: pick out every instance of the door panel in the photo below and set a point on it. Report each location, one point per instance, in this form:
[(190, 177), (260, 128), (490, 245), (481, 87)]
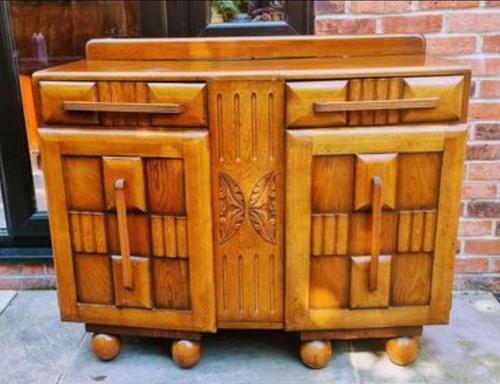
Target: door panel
[(343, 272), (139, 257)]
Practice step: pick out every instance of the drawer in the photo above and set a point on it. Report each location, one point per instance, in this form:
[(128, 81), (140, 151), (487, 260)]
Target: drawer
[(380, 101), (123, 103)]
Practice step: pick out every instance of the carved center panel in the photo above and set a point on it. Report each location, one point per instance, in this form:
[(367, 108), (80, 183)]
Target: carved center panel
[(247, 134)]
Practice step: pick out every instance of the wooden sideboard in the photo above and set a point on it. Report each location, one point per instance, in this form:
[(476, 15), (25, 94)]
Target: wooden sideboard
[(310, 184)]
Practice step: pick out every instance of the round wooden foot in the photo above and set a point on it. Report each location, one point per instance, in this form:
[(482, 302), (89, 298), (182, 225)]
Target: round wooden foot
[(186, 353), (402, 350), (106, 347), (316, 353)]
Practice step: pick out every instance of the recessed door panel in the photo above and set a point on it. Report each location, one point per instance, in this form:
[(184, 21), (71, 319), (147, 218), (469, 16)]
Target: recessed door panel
[(134, 231), (376, 251)]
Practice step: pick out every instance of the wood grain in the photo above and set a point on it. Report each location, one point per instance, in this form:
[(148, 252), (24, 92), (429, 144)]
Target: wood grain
[(252, 47)]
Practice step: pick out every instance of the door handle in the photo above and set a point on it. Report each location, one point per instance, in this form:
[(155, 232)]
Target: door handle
[(373, 105), (93, 106), (376, 231), (121, 213)]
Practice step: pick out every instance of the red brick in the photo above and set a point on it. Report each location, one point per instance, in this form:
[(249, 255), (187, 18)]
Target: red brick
[(334, 26), (474, 22), (484, 111), (479, 190), (496, 265), (491, 43), (10, 283), (447, 4), (490, 89), (483, 152), (328, 7), (484, 171), (412, 24), (10, 269), (482, 66), (493, 3), (380, 6), (50, 269), (487, 131), (33, 269), (471, 264), (468, 228), (484, 209), (483, 246), (45, 282), (454, 44)]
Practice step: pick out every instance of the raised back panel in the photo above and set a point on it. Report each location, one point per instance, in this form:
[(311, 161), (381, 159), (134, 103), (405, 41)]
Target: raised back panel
[(253, 47)]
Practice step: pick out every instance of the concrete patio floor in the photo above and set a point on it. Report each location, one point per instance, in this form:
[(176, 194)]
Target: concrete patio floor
[(36, 347)]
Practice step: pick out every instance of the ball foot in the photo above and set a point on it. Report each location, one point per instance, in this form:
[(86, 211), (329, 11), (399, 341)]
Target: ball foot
[(106, 347), (186, 353), (316, 353), (402, 350)]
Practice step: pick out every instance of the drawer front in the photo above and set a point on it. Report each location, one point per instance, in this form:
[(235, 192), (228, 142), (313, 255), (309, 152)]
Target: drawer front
[(127, 104), (371, 218), (374, 101), (131, 225)]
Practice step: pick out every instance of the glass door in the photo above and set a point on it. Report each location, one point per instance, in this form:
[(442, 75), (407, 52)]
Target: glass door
[(35, 35)]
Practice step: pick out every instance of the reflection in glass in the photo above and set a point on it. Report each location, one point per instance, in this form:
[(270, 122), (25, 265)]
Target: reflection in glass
[(246, 11), (3, 224), (48, 33)]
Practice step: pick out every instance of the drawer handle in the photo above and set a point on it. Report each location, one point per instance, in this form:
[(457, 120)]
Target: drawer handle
[(93, 106), (121, 213), (376, 231), (343, 106)]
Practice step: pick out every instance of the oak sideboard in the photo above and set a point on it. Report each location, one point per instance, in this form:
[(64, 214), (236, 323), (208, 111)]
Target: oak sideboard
[(308, 184)]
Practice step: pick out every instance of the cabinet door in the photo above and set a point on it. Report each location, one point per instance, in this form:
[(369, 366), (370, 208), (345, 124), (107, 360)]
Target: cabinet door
[(371, 222), (130, 219)]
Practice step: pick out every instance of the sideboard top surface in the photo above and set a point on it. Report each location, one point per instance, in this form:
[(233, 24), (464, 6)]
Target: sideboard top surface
[(259, 58)]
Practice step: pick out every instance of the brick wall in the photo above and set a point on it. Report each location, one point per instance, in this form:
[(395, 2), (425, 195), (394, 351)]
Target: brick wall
[(467, 31), (26, 276)]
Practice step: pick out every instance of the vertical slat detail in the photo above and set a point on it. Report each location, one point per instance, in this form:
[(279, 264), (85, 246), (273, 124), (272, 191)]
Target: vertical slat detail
[(381, 93), (329, 235), (270, 122), (237, 126), (99, 233), (417, 231), (76, 232), (170, 236), (354, 95), (220, 128), (342, 233), (87, 226), (368, 93), (157, 236), (393, 116), (181, 232), (317, 235), (253, 122), (404, 232), (429, 231)]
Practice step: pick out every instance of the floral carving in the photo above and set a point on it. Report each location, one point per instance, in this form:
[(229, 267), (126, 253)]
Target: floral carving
[(262, 207), (231, 207)]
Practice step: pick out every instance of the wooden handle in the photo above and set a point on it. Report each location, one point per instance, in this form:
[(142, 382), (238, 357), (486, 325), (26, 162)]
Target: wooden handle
[(121, 212), (94, 106), (343, 106), (376, 231)]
